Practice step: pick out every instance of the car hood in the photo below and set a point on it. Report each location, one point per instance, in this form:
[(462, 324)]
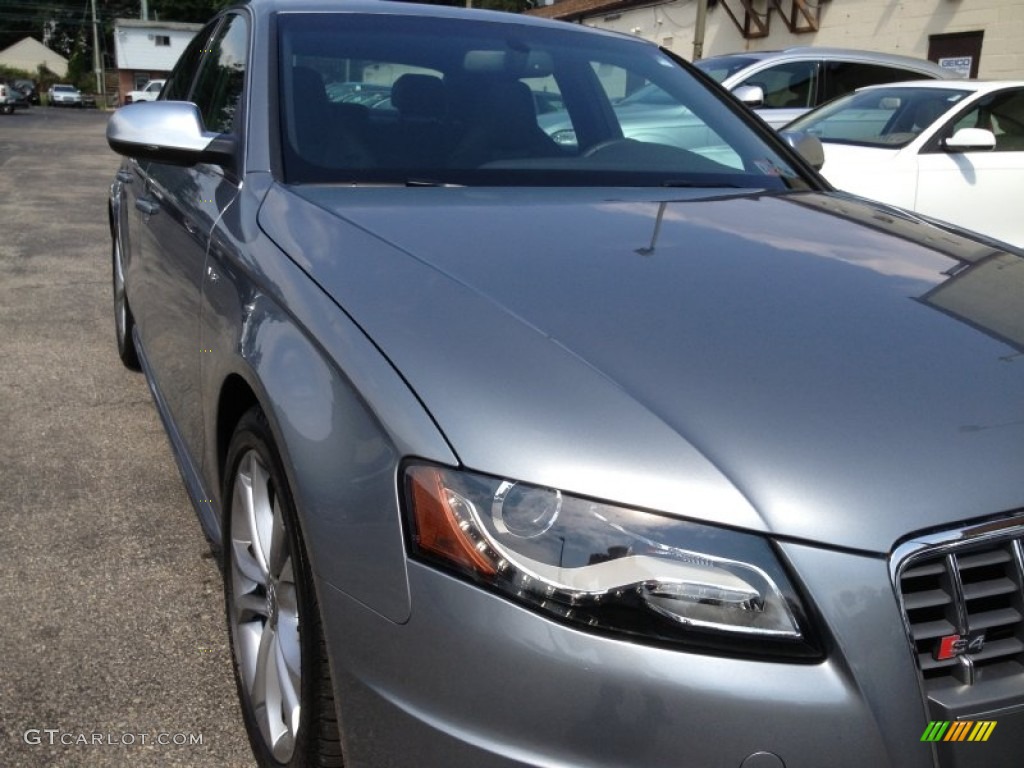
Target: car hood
[(807, 365)]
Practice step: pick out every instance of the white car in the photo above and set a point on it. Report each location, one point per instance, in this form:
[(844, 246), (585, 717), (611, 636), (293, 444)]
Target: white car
[(62, 95), (147, 93), (951, 150)]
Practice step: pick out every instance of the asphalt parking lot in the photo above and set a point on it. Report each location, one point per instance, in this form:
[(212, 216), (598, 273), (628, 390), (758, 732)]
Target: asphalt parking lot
[(113, 649)]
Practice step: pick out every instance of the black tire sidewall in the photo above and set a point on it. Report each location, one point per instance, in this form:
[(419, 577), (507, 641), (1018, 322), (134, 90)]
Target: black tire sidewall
[(253, 433), (125, 343)]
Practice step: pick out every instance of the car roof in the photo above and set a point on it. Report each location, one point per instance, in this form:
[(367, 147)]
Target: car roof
[(845, 54), (983, 86), (396, 7)]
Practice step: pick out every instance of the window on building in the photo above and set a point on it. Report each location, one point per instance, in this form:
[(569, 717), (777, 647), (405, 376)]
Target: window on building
[(162, 40)]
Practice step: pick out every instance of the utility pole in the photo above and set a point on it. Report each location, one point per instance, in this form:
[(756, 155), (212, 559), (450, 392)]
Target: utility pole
[(96, 65), (145, 11), (698, 31)]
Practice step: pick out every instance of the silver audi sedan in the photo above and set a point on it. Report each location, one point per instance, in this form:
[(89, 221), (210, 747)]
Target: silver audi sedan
[(605, 453)]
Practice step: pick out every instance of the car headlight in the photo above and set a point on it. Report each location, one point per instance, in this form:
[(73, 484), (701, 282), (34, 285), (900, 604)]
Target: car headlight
[(608, 568)]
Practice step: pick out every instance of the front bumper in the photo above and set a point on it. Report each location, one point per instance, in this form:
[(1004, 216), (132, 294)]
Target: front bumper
[(472, 680)]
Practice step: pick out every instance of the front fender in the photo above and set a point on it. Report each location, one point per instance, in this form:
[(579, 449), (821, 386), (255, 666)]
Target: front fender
[(342, 417)]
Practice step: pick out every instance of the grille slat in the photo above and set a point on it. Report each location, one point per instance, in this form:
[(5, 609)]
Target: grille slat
[(929, 664), (928, 630), (999, 649), (982, 559), (990, 619), (932, 569), (929, 599), (990, 588)]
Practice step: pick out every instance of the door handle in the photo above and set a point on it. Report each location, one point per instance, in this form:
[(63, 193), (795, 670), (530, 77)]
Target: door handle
[(124, 177), (148, 207)]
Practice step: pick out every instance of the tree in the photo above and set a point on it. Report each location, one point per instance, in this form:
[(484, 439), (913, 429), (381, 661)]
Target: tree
[(185, 10)]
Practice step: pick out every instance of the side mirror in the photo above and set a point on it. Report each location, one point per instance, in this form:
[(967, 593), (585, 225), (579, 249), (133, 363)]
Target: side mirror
[(167, 132), (970, 138), (807, 145), (751, 95)]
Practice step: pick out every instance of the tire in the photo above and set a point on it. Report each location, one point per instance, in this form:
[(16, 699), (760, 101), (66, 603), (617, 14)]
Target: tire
[(273, 617), (124, 322), (7, 109)]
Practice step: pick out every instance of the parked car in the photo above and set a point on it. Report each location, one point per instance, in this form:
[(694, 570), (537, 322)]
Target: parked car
[(527, 455), (27, 87), (63, 95), (950, 150), (11, 99), (149, 92), (782, 85)]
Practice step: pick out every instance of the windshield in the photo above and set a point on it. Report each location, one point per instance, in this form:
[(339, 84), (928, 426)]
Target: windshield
[(720, 67), (879, 117), (433, 101)]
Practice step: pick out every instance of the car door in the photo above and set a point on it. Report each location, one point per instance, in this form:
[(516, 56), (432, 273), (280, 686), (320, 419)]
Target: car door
[(979, 189), (177, 210)]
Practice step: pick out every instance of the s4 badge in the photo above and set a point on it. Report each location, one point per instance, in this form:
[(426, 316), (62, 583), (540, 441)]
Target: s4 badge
[(951, 646)]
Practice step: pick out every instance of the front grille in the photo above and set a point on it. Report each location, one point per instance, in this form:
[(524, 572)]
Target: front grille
[(973, 590)]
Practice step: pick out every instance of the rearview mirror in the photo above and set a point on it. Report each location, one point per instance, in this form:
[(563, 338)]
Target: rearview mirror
[(526, 63), (167, 132)]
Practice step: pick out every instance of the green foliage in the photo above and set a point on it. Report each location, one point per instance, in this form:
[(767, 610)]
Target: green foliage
[(185, 10), (10, 73), (80, 71)]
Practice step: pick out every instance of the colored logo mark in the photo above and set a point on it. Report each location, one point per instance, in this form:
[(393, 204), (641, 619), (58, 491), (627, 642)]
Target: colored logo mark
[(965, 730)]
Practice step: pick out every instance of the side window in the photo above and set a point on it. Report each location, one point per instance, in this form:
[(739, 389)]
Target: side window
[(842, 77), (792, 85), (218, 91), (180, 81), (1001, 113)]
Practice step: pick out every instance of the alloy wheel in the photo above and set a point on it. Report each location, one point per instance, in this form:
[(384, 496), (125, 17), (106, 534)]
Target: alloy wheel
[(263, 606)]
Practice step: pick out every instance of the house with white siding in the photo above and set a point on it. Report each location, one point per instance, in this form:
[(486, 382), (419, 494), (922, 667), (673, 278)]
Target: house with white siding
[(148, 50)]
